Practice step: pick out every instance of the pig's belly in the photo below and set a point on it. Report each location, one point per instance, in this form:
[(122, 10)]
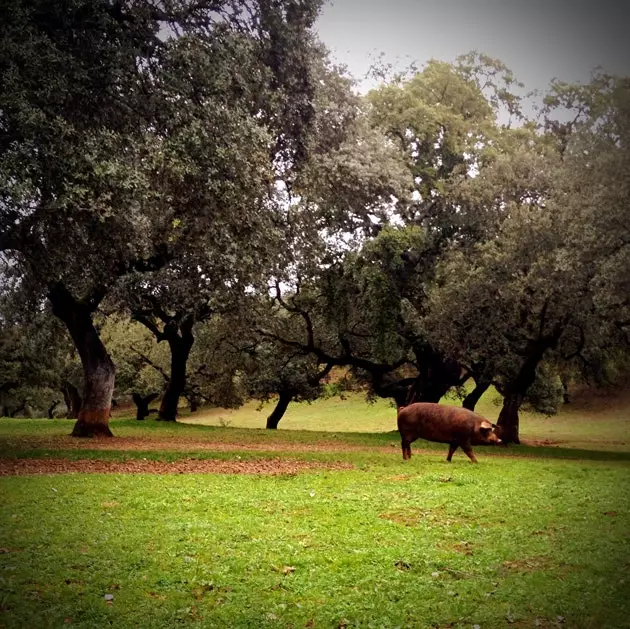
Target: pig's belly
[(441, 435)]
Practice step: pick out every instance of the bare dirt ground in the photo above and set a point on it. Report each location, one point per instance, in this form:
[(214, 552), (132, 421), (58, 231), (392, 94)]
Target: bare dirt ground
[(59, 465), (183, 444), (21, 467)]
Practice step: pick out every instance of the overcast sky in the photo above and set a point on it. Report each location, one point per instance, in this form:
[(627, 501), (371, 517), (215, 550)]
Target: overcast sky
[(537, 39)]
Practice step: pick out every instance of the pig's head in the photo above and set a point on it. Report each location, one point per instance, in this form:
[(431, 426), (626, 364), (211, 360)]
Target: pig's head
[(488, 433)]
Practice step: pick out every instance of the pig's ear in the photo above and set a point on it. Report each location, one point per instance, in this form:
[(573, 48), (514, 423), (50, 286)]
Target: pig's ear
[(485, 427)]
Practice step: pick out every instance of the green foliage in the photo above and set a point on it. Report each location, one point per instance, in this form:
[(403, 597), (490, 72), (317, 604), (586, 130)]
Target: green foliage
[(384, 278), (435, 113), (367, 296), (35, 361), (407, 235), (141, 363), (545, 395)]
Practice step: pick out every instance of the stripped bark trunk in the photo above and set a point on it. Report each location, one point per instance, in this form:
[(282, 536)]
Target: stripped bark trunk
[(508, 422), (98, 369)]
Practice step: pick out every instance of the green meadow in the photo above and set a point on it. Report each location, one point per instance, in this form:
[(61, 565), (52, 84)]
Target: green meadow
[(533, 536)]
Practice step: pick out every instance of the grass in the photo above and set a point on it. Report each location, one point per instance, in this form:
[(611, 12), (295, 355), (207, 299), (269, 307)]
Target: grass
[(530, 537), (420, 545)]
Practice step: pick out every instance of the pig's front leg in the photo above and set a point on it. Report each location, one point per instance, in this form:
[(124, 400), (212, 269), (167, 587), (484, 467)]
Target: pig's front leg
[(451, 451), (470, 454)]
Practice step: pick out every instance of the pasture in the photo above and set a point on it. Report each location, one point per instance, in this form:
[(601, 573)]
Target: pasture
[(225, 526)]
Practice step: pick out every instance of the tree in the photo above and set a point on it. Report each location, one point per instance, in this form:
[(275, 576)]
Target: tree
[(362, 300), (496, 279), (106, 107), (142, 363), (271, 367), (352, 315), (531, 293), (443, 118)]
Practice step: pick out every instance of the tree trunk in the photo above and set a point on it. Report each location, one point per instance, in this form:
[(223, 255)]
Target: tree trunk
[(51, 409), (428, 390), (481, 386), (411, 390), (437, 375), (72, 400), (278, 412), (5, 388), (515, 390), (194, 402), (180, 345), (508, 421), (142, 405), (98, 369)]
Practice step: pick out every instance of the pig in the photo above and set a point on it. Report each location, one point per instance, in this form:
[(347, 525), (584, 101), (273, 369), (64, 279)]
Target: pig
[(456, 426)]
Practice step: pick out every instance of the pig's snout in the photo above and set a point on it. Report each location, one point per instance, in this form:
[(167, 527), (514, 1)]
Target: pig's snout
[(493, 438)]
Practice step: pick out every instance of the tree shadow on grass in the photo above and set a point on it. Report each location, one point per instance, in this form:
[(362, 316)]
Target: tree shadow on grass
[(554, 452)]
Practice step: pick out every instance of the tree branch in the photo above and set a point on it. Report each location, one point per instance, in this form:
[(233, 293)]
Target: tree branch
[(321, 374), (303, 313), (149, 362), (149, 324)]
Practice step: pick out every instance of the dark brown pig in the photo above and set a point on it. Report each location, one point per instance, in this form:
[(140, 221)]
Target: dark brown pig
[(456, 426)]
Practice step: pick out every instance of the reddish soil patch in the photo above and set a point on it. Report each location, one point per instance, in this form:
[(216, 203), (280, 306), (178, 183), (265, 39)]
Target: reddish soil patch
[(179, 444), (185, 444), (465, 548), (525, 565), (21, 467)]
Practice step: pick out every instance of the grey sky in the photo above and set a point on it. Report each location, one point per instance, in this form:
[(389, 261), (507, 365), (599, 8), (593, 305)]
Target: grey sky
[(537, 39)]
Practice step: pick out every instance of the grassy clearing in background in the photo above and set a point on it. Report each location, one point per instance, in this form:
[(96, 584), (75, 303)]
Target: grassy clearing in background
[(351, 414)]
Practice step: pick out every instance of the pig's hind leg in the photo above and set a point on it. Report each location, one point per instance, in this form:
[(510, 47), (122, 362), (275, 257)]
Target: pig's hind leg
[(451, 451), (406, 449)]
